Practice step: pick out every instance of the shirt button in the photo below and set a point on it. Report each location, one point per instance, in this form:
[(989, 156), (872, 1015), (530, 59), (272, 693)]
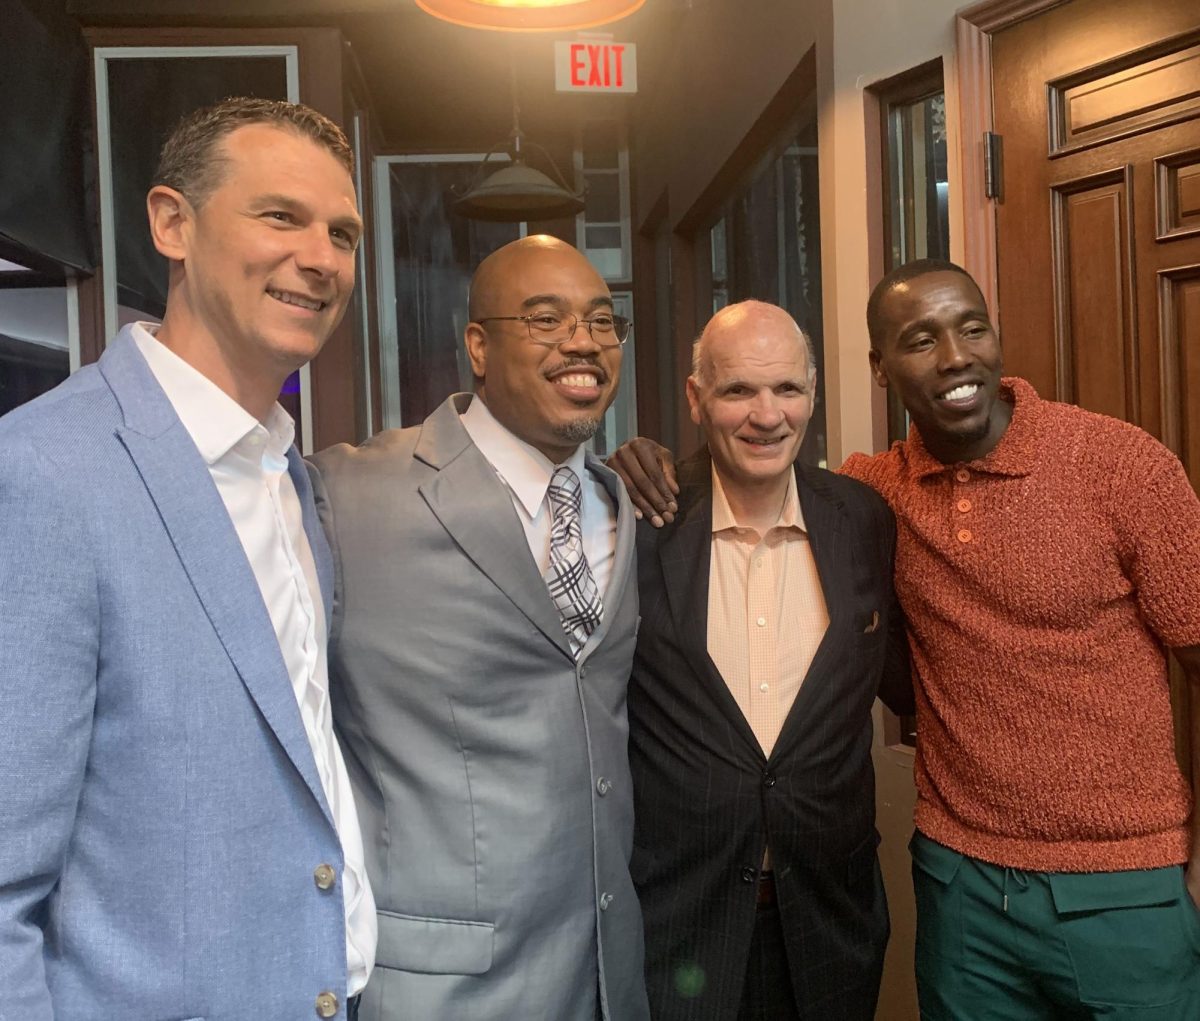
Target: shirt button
[(761, 622), (964, 535), (764, 687), (963, 475), (603, 786), (327, 1005), (324, 876), (605, 900), (749, 874), (758, 562), (768, 779), (964, 505)]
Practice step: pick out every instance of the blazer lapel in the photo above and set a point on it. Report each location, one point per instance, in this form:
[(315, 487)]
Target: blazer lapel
[(685, 555), (622, 555), (823, 515), (474, 506), (207, 544)]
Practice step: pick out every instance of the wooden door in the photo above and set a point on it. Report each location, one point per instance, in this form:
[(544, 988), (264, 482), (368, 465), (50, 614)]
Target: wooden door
[(1098, 227)]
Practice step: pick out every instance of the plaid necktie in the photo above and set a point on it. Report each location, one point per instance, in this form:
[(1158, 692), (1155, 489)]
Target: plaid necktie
[(568, 576)]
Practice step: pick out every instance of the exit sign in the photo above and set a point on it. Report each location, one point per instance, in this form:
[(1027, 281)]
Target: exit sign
[(585, 65)]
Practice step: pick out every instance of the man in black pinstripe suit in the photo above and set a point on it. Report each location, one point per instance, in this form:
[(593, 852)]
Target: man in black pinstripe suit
[(768, 625)]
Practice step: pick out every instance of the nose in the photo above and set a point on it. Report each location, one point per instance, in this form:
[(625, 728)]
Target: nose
[(765, 411), (953, 352), (580, 340)]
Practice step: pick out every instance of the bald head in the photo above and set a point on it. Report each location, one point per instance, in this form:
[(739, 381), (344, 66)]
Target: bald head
[(738, 325), (493, 280)]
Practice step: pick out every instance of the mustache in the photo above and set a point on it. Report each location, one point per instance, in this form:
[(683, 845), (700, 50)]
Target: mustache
[(567, 364)]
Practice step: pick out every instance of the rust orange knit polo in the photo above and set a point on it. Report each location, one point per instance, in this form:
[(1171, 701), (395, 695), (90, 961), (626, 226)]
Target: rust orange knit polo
[(1041, 583)]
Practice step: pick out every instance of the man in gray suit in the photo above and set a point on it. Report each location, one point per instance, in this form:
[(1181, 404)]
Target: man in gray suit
[(484, 627)]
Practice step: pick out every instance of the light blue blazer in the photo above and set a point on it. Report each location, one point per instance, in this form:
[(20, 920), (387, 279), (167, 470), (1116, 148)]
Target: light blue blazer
[(160, 810)]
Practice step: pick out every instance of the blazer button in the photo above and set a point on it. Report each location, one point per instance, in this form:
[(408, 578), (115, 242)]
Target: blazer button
[(768, 779), (327, 1005), (603, 786), (749, 874), (324, 876), (605, 900)]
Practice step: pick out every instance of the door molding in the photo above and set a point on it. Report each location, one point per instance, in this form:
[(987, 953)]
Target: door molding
[(974, 27)]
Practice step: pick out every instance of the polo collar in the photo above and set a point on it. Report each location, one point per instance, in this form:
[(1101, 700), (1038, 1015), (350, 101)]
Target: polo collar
[(1015, 454)]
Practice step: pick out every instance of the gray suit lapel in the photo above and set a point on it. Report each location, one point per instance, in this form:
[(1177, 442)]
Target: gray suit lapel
[(622, 555), (207, 544), (475, 507)]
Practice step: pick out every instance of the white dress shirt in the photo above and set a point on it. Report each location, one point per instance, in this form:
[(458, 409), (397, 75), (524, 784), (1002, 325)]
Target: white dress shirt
[(526, 471), (247, 460)]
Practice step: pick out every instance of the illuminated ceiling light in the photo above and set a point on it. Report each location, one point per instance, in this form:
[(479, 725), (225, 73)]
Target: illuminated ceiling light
[(530, 15)]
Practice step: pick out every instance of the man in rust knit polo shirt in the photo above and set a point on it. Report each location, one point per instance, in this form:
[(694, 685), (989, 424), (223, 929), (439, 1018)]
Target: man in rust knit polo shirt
[(1046, 559)]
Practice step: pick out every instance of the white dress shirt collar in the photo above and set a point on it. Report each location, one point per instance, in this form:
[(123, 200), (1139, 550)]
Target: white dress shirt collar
[(214, 420), (523, 467)]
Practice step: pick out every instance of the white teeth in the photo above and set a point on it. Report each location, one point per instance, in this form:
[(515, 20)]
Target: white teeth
[(960, 393), (582, 379), (295, 299)]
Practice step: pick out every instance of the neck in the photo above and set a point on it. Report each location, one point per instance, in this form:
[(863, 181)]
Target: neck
[(255, 387), (953, 449), (755, 505)]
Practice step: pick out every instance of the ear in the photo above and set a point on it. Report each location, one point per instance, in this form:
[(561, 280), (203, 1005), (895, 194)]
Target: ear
[(877, 368), (692, 389), (475, 340), (170, 217)]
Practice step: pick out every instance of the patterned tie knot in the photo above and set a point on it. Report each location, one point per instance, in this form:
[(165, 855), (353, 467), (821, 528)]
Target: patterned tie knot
[(568, 577)]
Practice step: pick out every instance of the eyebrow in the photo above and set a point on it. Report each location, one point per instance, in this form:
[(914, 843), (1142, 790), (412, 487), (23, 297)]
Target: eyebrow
[(931, 324), (600, 301)]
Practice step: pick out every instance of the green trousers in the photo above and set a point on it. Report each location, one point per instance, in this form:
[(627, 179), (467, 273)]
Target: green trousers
[(999, 944)]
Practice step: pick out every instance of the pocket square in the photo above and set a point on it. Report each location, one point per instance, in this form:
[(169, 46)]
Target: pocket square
[(874, 625)]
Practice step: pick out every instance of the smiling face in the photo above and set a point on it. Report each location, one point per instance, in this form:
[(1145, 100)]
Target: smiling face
[(263, 269), (937, 349), (552, 396), (753, 396)]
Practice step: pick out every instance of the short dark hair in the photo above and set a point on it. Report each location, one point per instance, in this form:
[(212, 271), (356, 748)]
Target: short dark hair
[(192, 163), (901, 275)]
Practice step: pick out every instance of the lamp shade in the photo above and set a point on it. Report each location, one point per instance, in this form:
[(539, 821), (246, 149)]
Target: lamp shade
[(530, 15), (518, 192)]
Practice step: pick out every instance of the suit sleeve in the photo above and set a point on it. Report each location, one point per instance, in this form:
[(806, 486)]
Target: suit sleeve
[(49, 645), (895, 686)]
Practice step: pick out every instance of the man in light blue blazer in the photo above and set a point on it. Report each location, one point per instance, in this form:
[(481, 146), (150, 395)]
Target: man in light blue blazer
[(177, 836)]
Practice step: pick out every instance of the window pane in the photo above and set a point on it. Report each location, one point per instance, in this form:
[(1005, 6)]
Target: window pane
[(33, 343), (603, 199)]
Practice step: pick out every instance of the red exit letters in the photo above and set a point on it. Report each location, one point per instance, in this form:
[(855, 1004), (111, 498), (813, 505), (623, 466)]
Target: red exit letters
[(597, 64)]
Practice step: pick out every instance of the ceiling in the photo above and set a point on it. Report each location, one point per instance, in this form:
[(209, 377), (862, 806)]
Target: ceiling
[(433, 85)]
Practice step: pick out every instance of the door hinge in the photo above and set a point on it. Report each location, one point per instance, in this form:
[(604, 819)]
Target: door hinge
[(993, 164)]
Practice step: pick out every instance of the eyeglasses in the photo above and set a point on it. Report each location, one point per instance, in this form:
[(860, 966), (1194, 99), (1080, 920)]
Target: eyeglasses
[(555, 328)]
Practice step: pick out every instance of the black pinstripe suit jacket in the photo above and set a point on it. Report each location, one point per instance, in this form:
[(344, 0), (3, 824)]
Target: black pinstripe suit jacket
[(708, 801)]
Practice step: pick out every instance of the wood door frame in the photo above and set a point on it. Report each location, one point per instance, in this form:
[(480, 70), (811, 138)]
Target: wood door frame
[(974, 27)]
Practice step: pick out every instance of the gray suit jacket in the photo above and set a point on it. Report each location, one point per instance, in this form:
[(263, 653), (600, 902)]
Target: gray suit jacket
[(490, 768)]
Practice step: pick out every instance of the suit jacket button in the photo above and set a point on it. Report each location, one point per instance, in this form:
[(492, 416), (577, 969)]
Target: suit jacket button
[(327, 1004), (324, 876), (768, 779), (603, 786), (749, 874), (605, 900)]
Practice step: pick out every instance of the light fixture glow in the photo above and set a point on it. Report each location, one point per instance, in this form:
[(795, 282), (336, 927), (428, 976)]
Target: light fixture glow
[(530, 15)]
